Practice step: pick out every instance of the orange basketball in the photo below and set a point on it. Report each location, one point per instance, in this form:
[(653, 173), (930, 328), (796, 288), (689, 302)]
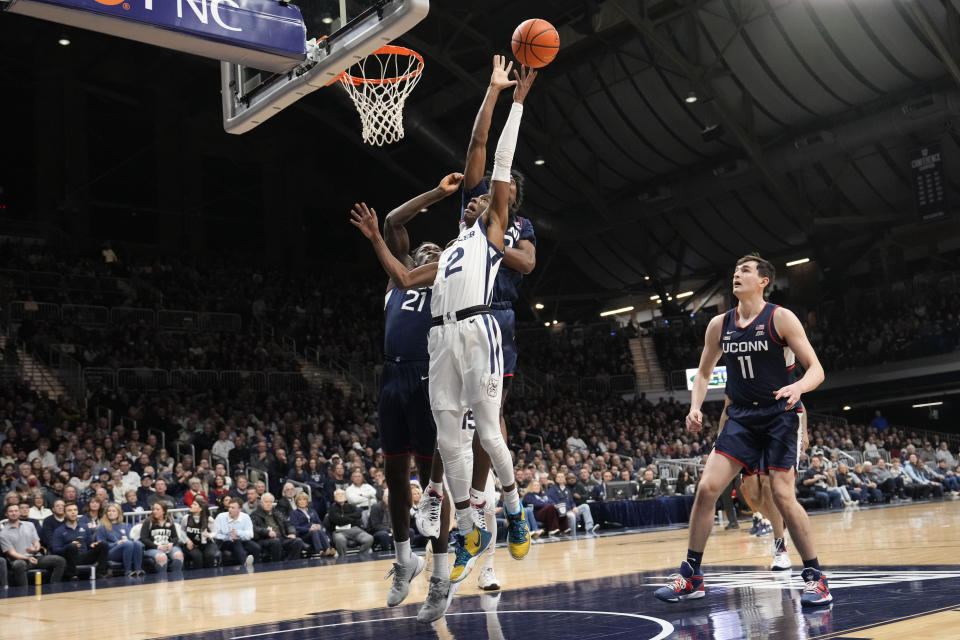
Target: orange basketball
[(535, 43)]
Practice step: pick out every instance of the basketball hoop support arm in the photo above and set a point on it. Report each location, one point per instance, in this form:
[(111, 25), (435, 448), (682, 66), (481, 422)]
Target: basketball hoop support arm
[(250, 97)]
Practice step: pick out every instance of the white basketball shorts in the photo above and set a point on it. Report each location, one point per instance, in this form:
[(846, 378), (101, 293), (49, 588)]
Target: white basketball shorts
[(466, 363)]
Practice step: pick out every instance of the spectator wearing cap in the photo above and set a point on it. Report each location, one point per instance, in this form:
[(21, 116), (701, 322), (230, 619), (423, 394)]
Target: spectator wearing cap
[(145, 490), (194, 491), (21, 545), (77, 544)]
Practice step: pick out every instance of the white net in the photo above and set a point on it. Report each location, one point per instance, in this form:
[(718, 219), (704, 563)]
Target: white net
[(379, 85)]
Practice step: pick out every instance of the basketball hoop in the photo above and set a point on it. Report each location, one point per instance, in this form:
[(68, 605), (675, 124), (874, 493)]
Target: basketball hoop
[(384, 80)]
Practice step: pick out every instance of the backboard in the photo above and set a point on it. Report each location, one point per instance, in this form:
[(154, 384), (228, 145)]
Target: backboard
[(250, 96)]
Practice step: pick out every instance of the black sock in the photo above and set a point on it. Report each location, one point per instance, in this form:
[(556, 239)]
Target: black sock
[(813, 563), (695, 558)]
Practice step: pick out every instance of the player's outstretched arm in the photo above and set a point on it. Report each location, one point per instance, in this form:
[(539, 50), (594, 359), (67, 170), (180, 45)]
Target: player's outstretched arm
[(477, 149), (365, 219), (394, 225), (708, 360), (790, 329), (496, 214)]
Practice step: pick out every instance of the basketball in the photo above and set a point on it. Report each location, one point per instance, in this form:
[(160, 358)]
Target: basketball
[(535, 43)]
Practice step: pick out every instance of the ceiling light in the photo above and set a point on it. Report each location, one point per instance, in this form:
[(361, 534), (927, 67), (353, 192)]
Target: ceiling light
[(654, 297), (927, 404), (326, 19), (646, 277), (546, 324), (538, 306), (846, 407), (554, 322), (424, 210), (64, 42), (685, 294), (691, 97), (794, 263), (614, 312), (539, 161)]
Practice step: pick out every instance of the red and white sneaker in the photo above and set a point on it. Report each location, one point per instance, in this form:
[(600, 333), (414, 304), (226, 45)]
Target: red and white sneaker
[(816, 592), (685, 585)]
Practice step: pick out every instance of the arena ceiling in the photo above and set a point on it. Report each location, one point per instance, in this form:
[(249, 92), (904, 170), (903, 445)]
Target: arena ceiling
[(815, 106), (798, 144)]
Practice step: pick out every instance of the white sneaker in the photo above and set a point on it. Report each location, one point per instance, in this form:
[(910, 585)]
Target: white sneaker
[(427, 516), (248, 563), (488, 580), (781, 559), (402, 575)]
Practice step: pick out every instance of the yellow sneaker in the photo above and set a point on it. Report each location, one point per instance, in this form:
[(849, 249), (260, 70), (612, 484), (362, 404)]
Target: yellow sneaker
[(518, 535), (467, 549)]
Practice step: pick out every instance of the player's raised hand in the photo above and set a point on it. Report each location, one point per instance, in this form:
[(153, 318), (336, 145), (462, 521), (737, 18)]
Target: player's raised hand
[(450, 183), (791, 392), (524, 79), (365, 219), (500, 77), (694, 421)]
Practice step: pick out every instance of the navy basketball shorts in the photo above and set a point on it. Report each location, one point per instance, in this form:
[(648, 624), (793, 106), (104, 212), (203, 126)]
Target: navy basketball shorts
[(507, 320), (406, 421), (761, 438)]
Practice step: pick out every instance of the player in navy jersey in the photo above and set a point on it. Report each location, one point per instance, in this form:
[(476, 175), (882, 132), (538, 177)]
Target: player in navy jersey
[(762, 430), (758, 493), (406, 422)]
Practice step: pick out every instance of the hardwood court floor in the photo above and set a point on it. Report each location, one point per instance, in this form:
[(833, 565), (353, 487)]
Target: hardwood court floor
[(917, 545)]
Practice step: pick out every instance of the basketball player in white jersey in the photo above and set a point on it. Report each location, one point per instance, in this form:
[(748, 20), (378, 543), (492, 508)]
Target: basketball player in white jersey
[(466, 360)]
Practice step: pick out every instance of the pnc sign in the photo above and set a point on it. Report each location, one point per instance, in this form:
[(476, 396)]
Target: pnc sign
[(264, 34), (199, 8)]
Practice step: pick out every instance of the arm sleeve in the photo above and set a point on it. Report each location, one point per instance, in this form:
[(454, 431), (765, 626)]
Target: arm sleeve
[(503, 158), (245, 528), (217, 533)]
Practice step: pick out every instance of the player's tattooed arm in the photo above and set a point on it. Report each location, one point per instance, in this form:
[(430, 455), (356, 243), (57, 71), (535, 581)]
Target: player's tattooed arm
[(394, 225), (365, 219)]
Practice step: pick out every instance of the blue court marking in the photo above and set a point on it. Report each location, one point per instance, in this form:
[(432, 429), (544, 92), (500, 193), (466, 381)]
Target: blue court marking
[(740, 603)]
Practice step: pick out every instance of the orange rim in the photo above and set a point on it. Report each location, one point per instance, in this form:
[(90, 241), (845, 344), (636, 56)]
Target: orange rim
[(385, 50)]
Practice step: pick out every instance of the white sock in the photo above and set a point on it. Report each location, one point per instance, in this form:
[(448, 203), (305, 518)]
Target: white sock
[(437, 487), (404, 556), (441, 564), (511, 500), (476, 497), (465, 520), (491, 548)]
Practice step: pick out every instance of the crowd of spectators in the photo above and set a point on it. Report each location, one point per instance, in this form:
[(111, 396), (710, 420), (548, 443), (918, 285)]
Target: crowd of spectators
[(260, 476)]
